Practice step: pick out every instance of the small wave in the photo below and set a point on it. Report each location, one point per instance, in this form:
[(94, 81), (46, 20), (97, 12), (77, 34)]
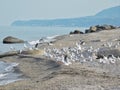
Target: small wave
[(52, 37), (2, 75), (11, 66), (8, 73), (7, 67), (43, 39)]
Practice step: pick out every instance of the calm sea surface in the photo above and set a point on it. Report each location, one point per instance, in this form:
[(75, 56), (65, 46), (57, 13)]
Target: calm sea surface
[(30, 34)]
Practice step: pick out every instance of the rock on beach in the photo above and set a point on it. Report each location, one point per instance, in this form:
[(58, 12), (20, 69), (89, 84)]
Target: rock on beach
[(100, 28), (76, 32)]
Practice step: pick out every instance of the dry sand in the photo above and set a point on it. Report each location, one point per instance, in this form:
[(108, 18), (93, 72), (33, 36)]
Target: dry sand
[(44, 74)]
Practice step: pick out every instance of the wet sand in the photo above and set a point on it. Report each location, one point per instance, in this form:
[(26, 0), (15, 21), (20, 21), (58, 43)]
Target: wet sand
[(46, 74)]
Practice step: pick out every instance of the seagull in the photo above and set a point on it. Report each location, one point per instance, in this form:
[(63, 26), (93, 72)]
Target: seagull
[(102, 61), (113, 57), (65, 60), (36, 45), (25, 46), (118, 43), (82, 42), (50, 44), (81, 56), (78, 46), (106, 59), (112, 60), (90, 58), (109, 44), (20, 51), (104, 45), (90, 49), (118, 58), (12, 48), (115, 46)]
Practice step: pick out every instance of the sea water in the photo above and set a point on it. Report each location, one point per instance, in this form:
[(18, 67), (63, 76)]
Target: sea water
[(8, 73), (31, 34)]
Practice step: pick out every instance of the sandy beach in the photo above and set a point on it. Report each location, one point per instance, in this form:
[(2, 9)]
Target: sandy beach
[(43, 73)]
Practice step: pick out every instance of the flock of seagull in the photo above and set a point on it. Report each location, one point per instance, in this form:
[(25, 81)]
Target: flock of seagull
[(80, 53)]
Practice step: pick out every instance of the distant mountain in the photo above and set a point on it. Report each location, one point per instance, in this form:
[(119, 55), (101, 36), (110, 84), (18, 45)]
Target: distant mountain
[(113, 12), (107, 16)]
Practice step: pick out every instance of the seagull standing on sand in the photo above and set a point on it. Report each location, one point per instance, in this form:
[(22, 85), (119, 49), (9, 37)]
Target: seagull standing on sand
[(66, 60), (109, 44), (50, 44), (36, 45), (112, 59), (106, 59), (79, 46), (102, 60), (82, 42)]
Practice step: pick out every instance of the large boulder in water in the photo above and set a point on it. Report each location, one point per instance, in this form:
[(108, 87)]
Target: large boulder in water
[(11, 39)]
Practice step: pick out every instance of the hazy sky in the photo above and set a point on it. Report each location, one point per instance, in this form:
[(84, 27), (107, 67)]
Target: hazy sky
[(11, 10)]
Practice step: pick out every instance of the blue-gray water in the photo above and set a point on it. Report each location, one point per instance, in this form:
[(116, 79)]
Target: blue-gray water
[(30, 34), (8, 73)]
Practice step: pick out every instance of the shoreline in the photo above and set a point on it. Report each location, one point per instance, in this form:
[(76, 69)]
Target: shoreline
[(47, 74)]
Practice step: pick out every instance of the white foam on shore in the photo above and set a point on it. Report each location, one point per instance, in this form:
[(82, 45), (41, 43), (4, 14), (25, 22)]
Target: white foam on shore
[(2, 75), (51, 37), (10, 67), (7, 73), (42, 40)]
